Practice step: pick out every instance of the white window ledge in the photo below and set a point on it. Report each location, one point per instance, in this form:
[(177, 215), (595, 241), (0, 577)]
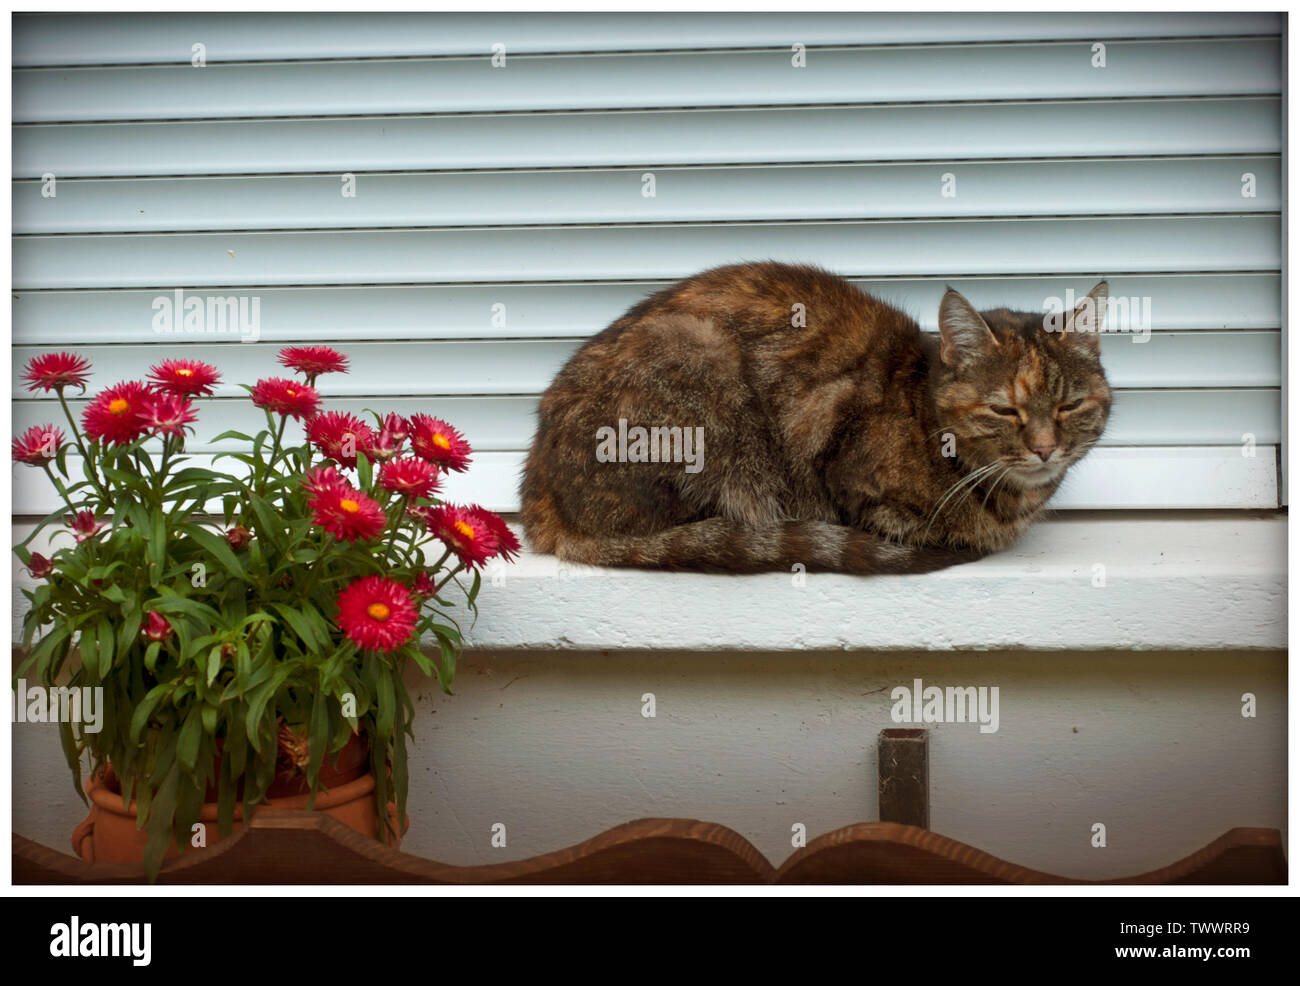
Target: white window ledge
[(1192, 581), (1171, 582)]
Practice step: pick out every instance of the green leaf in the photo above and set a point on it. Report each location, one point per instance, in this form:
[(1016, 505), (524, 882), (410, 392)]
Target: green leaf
[(107, 646), (269, 525), (214, 663), (88, 645), (157, 546), (190, 607), (215, 545), (301, 625), (140, 717), (233, 434), (258, 700), (386, 701), (363, 471), (187, 744)]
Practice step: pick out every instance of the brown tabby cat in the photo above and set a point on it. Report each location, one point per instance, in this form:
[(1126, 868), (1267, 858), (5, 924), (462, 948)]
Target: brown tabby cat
[(839, 435)]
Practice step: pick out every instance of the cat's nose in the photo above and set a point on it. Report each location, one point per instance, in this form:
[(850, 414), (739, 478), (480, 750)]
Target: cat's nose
[(1044, 452)]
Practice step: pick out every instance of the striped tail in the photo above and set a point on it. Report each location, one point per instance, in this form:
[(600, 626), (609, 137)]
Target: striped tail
[(721, 545)]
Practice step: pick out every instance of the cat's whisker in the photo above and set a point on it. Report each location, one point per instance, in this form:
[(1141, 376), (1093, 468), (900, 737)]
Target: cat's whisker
[(971, 479), (1001, 476)]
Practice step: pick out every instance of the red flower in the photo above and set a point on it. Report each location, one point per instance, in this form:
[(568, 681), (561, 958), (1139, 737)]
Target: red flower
[(439, 442), (396, 426), (322, 478), (185, 377), (464, 532), (286, 397), (115, 416), (54, 371), (312, 361), (340, 436), (38, 445), (376, 613), (84, 525), (168, 414), (410, 477), (156, 627), (507, 544), (348, 513), (238, 537), (422, 587), (41, 567)]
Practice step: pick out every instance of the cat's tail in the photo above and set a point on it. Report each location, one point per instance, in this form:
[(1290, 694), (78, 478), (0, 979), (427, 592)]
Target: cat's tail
[(721, 545)]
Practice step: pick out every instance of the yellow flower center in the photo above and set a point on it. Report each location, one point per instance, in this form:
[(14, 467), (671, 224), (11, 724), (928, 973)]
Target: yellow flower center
[(349, 506), (464, 528), (377, 611), (441, 441), (185, 371), (291, 393), (119, 406)]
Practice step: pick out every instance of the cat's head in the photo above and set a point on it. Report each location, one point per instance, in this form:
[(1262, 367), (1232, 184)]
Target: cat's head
[(1016, 394)]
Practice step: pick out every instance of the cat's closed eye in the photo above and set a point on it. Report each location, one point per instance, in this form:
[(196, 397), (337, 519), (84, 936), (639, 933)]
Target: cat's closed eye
[(1010, 412), (1072, 406)]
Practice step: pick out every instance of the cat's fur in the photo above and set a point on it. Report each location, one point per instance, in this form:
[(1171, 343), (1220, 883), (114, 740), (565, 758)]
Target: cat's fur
[(824, 443)]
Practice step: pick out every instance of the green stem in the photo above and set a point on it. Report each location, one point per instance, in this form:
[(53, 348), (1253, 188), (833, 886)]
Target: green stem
[(81, 447), (58, 485), (450, 575)]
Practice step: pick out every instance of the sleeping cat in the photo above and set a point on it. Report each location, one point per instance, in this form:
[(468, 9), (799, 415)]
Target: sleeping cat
[(763, 415)]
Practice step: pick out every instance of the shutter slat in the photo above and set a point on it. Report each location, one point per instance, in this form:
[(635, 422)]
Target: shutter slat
[(1139, 417), (1182, 302), (680, 195), (607, 252), (1108, 479), (102, 39), (651, 139), (567, 82), (516, 366)]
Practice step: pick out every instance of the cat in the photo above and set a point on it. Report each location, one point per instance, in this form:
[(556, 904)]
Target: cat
[(825, 429)]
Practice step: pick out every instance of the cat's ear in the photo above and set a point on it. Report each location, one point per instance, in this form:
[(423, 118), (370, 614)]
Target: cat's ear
[(1088, 320), (963, 333)]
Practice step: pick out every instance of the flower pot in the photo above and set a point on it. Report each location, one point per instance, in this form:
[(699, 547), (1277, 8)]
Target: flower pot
[(109, 834)]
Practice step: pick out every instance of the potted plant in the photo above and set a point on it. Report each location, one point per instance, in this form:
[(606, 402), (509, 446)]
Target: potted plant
[(249, 629)]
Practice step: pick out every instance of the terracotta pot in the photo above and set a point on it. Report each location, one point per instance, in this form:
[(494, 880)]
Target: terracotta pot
[(109, 833)]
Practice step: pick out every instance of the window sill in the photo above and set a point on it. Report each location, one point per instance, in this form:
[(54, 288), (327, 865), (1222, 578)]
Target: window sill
[(1171, 582)]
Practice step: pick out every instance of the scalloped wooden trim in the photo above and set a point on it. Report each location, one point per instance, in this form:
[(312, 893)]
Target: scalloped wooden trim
[(296, 847)]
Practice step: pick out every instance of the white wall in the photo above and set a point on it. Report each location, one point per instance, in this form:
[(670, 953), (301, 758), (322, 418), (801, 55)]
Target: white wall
[(554, 745)]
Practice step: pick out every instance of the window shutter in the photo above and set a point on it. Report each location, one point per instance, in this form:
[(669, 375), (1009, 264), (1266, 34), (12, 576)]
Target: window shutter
[(502, 212)]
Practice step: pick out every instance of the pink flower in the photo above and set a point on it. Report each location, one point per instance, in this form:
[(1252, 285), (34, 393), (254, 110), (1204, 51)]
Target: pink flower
[(312, 361), (166, 415), (376, 613), (84, 525), (340, 436), (115, 416), (55, 371), (286, 397), (322, 478), (38, 445), (439, 442), (185, 377), (41, 567), (411, 477), (156, 627)]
